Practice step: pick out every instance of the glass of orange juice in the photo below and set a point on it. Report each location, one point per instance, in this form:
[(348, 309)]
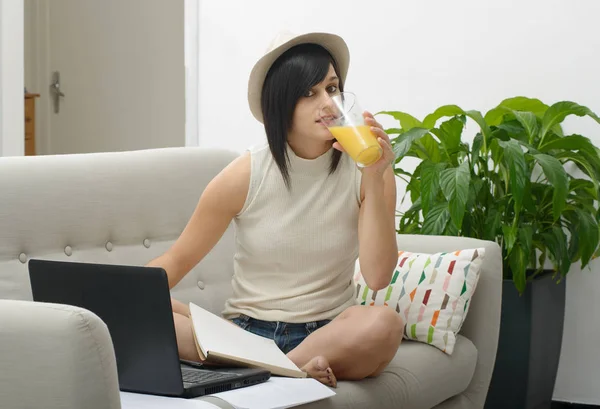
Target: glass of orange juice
[(344, 118)]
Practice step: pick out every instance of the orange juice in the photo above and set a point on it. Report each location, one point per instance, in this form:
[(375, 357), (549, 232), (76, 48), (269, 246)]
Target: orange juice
[(359, 143)]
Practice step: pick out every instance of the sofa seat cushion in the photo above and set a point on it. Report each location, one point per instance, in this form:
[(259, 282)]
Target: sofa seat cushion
[(419, 377)]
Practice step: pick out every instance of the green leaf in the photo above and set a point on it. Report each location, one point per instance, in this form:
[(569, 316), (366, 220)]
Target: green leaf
[(557, 176), (525, 104), (520, 176), (429, 149), (394, 131), (477, 145), (525, 236), (538, 204), (477, 117), (594, 162), (588, 235), (436, 220), (401, 172), (475, 192), (583, 201), (559, 111), (497, 151), (407, 121), (581, 162), (541, 262), (510, 237), (583, 187), (564, 263), (528, 148), (454, 110), (414, 188), (571, 143), (518, 260), (574, 251), (550, 137), (523, 127), (557, 129), (451, 230), (404, 142), (446, 110), (455, 186), (430, 184), (556, 242), (529, 122), (409, 228), (449, 134), (494, 116), (415, 208), (514, 129), (492, 227)]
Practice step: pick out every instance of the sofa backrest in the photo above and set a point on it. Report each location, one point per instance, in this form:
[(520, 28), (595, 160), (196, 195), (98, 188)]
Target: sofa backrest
[(115, 208)]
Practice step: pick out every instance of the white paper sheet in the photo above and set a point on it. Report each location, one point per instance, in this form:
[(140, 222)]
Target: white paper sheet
[(143, 401), (277, 393)]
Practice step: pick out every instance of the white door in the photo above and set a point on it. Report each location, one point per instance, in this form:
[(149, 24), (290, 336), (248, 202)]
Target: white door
[(121, 67)]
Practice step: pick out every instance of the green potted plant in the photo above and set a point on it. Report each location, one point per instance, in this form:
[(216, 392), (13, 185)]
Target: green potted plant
[(524, 184)]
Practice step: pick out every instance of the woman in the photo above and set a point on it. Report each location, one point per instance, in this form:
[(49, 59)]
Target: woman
[(303, 213)]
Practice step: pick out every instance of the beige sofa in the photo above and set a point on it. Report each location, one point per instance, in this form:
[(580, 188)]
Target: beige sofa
[(127, 208)]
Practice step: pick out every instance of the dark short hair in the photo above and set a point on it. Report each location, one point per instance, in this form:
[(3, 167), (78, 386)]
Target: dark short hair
[(292, 75)]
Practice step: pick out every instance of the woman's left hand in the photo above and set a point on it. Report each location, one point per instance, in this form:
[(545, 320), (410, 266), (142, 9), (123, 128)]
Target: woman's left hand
[(379, 167)]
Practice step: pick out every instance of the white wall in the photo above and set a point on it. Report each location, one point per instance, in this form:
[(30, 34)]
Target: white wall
[(415, 56), (12, 124)]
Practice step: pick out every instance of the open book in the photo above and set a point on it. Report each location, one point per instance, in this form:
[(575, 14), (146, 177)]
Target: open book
[(219, 341)]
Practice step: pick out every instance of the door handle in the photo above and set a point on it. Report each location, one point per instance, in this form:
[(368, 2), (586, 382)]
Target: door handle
[(55, 91)]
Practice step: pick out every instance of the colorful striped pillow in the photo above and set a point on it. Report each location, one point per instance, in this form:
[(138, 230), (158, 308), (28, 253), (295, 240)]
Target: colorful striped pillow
[(432, 292)]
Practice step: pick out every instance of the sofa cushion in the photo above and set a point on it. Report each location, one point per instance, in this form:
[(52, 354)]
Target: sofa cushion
[(419, 377), (431, 292)]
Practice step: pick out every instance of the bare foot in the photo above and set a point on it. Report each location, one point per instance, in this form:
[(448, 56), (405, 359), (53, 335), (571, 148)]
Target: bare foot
[(318, 368)]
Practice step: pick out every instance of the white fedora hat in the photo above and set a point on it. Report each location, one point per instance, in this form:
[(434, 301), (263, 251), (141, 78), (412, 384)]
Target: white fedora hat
[(334, 44)]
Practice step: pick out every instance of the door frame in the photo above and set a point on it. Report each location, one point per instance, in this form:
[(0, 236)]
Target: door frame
[(39, 58)]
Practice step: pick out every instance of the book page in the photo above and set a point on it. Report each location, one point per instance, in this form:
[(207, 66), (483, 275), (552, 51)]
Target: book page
[(216, 335)]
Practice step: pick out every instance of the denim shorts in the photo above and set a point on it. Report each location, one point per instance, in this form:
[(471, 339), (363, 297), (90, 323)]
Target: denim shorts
[(286, 335)]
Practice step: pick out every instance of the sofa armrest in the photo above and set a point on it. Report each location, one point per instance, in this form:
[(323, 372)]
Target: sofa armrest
[(55, 356), (482, 325)]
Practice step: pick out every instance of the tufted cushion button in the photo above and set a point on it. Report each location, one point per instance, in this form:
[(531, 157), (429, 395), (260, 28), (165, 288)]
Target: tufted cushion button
[(68, 251), (147, 243), (108, 246), (23, 258), (201, 285)]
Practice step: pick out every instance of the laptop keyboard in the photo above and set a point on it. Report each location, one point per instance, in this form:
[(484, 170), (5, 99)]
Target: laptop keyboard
[(202, 375)]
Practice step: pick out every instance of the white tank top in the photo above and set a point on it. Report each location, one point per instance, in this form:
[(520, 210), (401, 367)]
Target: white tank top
[(296, 249)]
